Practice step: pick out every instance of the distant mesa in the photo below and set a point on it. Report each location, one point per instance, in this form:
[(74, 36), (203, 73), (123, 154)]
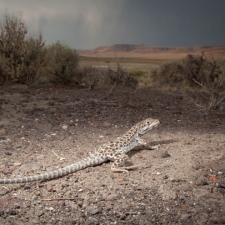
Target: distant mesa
[(148, 52)]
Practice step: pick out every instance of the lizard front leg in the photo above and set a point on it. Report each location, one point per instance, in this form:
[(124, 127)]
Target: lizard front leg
[(143, 143)]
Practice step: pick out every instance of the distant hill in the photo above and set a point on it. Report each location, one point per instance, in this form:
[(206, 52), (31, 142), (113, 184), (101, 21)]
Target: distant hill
[(151, 52)]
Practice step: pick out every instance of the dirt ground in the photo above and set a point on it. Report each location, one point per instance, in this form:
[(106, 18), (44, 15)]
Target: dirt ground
[(47, 127)]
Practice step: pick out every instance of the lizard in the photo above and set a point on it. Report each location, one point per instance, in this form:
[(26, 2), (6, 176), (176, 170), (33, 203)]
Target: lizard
[(113, 151)]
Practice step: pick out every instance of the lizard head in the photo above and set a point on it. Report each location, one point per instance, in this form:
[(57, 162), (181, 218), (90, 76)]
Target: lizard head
[(146, 125)]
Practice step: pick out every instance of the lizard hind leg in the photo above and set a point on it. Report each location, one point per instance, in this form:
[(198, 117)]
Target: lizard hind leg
[(118, 164)]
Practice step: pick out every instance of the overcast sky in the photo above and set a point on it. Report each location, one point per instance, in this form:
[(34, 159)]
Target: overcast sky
[(86, 24)]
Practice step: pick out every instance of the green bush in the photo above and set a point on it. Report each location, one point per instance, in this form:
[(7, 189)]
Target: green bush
[(20, 54), (62, 63)]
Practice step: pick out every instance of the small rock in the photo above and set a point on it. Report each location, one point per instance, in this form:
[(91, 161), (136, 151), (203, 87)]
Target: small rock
[(221, 191), (64, 127), (202, 182), (123, 217), (3, 139), (71, 123), (155, 187), (50, 188), (93, 211), (106, 124), (200, 192), (167, 192), (130, 196), (49, 208), (165, 155), (3, 132), (35, 197), (12, 212), (140, 187), (111, 196), (27, 187), (173, 179), (61, 203), (185, 216), (8, 153)]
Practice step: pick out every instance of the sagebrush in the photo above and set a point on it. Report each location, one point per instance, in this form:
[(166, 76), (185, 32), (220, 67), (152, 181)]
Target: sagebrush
[(204, 76), (21, 54), (62, 63)]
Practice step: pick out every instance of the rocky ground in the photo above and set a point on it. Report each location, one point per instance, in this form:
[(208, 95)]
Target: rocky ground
[(46, 127)]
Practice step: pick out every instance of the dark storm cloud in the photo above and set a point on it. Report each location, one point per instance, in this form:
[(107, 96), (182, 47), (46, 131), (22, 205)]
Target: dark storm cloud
[(91, 23)]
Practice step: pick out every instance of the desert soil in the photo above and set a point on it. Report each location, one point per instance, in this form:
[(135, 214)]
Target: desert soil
[(46, 127)]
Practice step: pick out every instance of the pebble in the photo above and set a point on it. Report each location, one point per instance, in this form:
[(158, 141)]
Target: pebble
[(3, 132), (155, 187), (185, 216), (27, 187), (202, 182), (111, 196), (93, 211), (165, 155), (167, 192), (8, 153), (64, 127), (106, 124), (130, 196), (173, 179)]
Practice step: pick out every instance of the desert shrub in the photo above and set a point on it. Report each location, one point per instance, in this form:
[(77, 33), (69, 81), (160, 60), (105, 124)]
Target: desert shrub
[(146, 80), (132, 82), (193, 66), (62, 63), (3, 73), (210, 78), (204, 77), (121, 77), (21, 54), (92, 77), (168, 73), (33, 60), (200, 71)]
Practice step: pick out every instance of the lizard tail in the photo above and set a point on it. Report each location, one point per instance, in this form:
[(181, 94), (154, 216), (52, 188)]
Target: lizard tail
[(89, 161)]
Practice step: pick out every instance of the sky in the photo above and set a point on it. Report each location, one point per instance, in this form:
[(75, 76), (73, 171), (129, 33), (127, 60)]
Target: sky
[(87, 24)]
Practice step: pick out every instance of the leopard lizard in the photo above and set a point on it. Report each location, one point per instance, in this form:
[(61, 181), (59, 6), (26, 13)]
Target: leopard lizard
[(113, 151)]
